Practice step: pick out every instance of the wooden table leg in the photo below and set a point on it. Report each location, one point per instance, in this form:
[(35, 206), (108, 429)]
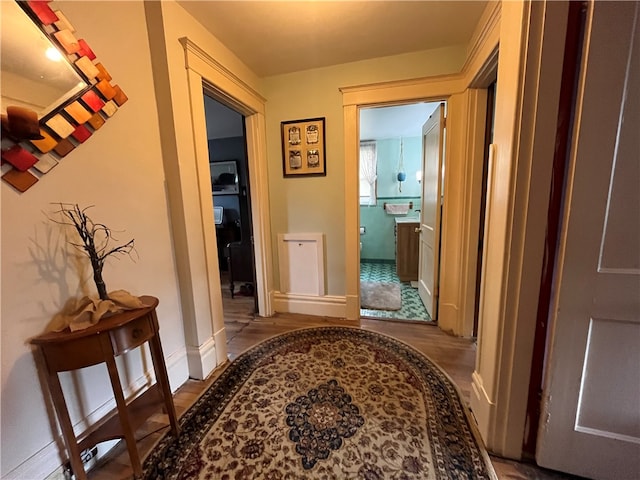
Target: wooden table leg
[(65, 423), (123, 414), (162, 378)]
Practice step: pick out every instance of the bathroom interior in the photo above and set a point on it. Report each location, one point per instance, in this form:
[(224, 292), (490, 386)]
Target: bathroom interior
[(390, 200)]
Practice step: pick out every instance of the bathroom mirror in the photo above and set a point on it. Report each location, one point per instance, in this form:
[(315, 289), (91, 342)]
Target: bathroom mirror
[(35, 73)]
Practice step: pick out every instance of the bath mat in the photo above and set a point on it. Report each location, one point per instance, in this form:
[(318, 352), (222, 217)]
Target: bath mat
[(333, 402), (380, 296)]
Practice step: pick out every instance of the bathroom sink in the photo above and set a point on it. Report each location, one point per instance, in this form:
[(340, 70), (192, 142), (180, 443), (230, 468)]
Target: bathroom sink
[(411, 219)]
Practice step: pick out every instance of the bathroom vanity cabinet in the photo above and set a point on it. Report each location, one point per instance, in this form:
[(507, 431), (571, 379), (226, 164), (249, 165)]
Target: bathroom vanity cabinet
[(407, 249)]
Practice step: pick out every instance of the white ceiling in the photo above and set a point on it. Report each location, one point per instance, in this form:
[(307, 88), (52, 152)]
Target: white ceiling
[(280, 37), (276, 37), (394, 122)]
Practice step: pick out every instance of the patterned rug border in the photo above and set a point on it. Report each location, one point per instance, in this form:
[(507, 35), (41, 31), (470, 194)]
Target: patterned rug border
[(245, 370)]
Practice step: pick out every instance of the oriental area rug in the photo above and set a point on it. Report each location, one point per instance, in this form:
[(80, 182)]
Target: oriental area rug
[(325, 403)]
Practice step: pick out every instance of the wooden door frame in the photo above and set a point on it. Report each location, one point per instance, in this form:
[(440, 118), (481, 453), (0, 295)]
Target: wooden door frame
[(520, 171), (205, 335), (481, 61), (491, 94), (567, 100), (252, 106), (475, 77)]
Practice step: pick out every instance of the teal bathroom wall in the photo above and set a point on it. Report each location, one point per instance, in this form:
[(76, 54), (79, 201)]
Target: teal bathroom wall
[(378, 241), (388, 153)]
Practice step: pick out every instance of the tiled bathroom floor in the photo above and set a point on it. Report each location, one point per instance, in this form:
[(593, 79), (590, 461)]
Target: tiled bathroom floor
[(412, 307)]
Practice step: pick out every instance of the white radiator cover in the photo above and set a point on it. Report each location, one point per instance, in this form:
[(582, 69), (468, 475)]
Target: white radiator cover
[(301, 263)]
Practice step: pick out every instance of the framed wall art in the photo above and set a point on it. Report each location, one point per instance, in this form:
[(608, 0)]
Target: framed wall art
[(224, 177), (303, 147), (55, 93)]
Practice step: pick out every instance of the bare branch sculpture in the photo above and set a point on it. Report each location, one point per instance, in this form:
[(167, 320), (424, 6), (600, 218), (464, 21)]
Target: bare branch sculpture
[(96, 239)]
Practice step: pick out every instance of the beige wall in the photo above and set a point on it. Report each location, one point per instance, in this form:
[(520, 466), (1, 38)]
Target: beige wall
[(122, 169), (316, 204), (119, 170)]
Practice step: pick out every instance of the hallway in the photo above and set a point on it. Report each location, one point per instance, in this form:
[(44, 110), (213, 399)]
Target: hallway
[(456, 356)]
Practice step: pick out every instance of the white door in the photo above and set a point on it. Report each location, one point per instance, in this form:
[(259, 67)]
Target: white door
[(590, 424), (429, 251)]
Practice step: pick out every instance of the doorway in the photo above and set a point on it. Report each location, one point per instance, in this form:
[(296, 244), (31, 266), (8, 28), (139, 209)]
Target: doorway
[(488, 141), (464, 147), (231, 201), (390, 192)]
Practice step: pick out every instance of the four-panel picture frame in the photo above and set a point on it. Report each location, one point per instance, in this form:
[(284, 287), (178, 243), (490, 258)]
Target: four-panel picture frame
[(303, 147)]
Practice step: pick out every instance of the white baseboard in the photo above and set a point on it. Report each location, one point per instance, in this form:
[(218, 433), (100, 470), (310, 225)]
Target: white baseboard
[(352, 311), (324, 306), (202, 360), (46, 463), (177, 368), (220, 338), (482, 407)]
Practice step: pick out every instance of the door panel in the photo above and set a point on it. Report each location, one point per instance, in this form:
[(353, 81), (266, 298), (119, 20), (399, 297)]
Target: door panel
[(432, 150), (599, 412), (590, 424)]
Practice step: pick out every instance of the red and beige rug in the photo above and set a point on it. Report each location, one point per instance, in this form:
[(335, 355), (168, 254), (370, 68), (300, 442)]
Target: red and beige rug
[(326, 403)]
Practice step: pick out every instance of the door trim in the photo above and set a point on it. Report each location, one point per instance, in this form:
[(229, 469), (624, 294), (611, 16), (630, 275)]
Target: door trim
[(437, 88), (529, 76), (228, 89), (204, 72), (576, 18)]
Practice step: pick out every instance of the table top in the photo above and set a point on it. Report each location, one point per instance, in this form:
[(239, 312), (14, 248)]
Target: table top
[(105, 324)]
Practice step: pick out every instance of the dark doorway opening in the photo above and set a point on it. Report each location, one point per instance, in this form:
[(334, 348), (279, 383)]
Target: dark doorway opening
[(488, 140), (231, 205)]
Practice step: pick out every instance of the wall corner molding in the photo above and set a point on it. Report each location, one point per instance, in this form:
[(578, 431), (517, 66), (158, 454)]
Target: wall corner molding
[(177, 368), (202, 359), (481, 405), (194, 54), (488, 29)]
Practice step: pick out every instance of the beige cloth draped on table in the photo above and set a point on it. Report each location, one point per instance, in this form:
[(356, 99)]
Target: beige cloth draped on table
[(82, 313)]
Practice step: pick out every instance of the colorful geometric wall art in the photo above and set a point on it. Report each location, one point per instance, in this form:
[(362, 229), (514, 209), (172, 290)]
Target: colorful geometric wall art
[(72, 121)]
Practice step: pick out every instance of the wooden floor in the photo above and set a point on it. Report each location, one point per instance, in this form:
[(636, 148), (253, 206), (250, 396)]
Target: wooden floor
[(454, 355)]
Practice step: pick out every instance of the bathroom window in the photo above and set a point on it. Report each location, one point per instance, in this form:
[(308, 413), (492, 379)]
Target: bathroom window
[(368, 173)]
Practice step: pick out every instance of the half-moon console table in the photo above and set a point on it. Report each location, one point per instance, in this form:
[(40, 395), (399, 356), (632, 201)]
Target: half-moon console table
[(102, 343)]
